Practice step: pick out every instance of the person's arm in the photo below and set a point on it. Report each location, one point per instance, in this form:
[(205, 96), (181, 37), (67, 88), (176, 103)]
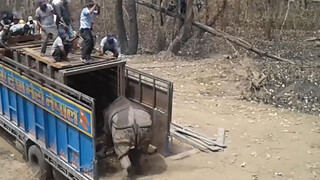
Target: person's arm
[(38, 18), (4, 45), (98, 10), (72, 39), (103, 41), (63, 51), (40, 26), (93, 8), (101, 51)]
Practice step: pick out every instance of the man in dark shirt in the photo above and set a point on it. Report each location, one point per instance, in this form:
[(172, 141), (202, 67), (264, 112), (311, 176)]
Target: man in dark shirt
[(109, 43), (61, 8)]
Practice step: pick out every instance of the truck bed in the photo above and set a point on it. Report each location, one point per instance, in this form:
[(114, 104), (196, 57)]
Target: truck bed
[(34, 49)]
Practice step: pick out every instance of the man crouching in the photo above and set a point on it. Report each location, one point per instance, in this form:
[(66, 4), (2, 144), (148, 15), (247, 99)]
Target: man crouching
[(60, 47), (109, 43)]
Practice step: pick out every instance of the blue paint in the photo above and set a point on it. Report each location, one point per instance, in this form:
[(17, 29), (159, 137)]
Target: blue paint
[(52, 133), (20, 111), (1, 109), (68, 111), (70, 141), (5, 102)]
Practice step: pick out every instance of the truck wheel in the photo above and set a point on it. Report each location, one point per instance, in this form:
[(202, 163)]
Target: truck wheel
[(57, 175), (38, 164)]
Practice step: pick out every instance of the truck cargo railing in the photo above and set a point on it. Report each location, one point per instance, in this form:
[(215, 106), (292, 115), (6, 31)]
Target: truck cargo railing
[(155, 94), (47, 81)]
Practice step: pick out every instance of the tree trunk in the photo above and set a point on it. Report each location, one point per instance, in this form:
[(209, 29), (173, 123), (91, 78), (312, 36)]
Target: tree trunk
[(161, 37), (213, 20), (122, 34), (225, 17), (237, 12), (133, 28), (186, 32), (271, 11)]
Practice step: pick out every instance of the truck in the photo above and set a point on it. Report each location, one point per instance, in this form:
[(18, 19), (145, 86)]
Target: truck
[(53, 110)]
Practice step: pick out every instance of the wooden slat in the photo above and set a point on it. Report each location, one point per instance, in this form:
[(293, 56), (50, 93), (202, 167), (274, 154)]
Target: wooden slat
[(24, 46), (17, 39), (184, 154), (45, 59)]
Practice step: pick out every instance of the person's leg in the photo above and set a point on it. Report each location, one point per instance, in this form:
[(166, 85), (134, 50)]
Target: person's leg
[(70, 35), (83, 48), (135, 156), (87, 44), (51, 33), (57, 54), (45, 38), (91, 44)]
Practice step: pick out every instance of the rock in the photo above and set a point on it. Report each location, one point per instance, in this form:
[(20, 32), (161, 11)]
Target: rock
[(255, 176), (243, 164), (268, 156), (254, 154)]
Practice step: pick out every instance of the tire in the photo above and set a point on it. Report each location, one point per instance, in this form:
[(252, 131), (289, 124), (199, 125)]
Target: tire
[(38, 164), (57, 175)]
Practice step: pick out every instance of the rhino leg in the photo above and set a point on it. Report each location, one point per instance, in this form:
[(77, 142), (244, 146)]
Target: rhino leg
[(126, 165), (135, 156)]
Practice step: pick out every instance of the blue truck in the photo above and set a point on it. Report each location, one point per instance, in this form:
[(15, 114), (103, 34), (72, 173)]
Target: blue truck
[(53, 111)]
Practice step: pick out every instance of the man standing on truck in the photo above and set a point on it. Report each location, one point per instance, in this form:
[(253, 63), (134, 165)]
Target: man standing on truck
[(61, 8), (45, 21), (86, 21)]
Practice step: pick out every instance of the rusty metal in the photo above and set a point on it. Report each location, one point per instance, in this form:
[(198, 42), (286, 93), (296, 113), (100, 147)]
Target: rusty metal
[(155, 94)]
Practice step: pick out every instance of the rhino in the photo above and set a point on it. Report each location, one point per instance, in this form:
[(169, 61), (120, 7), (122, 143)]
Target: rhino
[(127, 126)]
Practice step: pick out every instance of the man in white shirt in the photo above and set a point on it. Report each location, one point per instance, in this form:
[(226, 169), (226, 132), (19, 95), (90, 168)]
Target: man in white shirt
[(45, 21), (109, 43), (60, 47), (86, 21)]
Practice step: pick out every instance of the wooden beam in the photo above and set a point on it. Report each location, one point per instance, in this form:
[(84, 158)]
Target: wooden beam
[(184, 154)]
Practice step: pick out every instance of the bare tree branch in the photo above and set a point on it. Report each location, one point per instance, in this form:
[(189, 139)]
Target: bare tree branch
[(218, 33)]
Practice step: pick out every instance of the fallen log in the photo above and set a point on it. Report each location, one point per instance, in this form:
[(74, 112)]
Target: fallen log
[(218, 33)]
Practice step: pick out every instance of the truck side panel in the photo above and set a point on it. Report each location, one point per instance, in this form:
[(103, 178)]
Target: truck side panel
[(155, 94), (71, 142)]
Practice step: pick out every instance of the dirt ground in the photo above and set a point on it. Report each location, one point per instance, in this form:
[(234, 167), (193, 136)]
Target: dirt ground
[(263, 142)]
